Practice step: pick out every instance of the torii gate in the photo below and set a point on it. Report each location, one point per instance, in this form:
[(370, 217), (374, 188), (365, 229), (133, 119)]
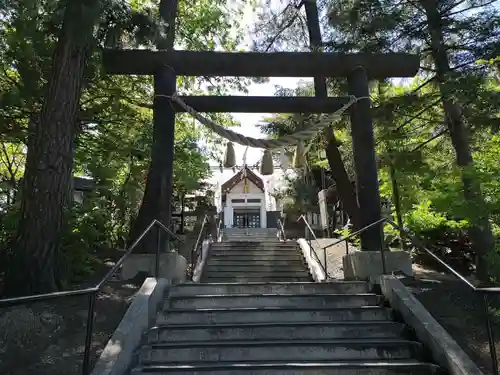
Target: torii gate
[(165, 64)]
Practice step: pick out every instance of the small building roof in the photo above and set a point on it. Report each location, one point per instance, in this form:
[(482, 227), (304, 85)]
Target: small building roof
[(233, 181)]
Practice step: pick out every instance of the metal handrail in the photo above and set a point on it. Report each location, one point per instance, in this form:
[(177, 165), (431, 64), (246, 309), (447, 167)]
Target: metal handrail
[(354, 234), (219, 229), (417, 243), (281, 229), (92, 291), (358, 232), (311, 248), (199, 241)]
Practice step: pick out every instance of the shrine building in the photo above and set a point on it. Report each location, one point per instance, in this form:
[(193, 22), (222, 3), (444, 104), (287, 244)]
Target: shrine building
[(244, 201)]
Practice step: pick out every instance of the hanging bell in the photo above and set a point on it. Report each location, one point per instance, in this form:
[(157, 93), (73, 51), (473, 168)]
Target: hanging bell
[(299, 158), (229, 156), (266, 166)]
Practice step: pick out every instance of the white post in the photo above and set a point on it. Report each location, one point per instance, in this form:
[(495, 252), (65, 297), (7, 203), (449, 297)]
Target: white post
[(263, 215)]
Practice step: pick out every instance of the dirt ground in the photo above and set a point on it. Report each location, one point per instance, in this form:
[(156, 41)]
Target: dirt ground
[(460, 311), (48, 338)]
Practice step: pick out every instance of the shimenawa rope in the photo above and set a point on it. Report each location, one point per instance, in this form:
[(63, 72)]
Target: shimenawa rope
[(267, 144)]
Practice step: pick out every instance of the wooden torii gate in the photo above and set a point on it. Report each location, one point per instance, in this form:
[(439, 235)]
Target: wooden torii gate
[(165, 64)]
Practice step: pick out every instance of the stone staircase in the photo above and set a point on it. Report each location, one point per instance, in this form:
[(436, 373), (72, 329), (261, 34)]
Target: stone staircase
[(252, 316), (245, 261), (250, 235)]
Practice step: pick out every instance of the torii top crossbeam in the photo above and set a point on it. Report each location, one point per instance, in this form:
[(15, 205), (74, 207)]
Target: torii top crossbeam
[(257, 64)]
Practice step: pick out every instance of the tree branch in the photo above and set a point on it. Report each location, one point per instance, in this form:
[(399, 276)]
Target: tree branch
[(430, 140)]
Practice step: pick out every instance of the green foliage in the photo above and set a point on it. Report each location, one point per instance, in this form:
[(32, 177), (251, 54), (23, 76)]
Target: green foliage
[(423, 218), (409, 124), (114, 125)]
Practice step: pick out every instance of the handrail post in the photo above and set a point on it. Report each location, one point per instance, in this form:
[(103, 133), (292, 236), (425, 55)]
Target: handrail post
[(157, 259), (325, 260), (382, 255), (491, 337), (346, 247), (201, 242), (191, 259), (309, 235), (88, 334)]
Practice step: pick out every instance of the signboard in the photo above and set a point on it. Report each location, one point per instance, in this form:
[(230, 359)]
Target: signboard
[(323, 211)]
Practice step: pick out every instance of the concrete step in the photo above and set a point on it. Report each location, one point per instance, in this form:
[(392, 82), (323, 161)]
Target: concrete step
[(255, 252), (251, 239), (278, 350), (248, 267), (243, 234), (277, 331), (338, 287), (250, 236), (250, 230), (252, 279), (284, 245), (223, 262), (242, 315), (256, 274), (364, 367), (254, 242), (273, 300), (230, 249), (249, 256)]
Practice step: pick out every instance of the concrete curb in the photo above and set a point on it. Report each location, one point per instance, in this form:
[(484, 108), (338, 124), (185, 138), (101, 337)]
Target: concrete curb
[(445, 351), (314, 267), (118, 355)]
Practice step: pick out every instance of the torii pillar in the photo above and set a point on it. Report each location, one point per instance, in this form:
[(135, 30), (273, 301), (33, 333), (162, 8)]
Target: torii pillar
[(156, 203), (363, 146), (365, 164)]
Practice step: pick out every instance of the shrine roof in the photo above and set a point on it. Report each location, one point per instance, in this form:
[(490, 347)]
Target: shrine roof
[(244, 172)]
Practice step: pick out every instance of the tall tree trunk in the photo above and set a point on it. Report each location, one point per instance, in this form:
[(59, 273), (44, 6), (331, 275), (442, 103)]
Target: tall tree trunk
[(345, 189), (480, 230), (47, 179)]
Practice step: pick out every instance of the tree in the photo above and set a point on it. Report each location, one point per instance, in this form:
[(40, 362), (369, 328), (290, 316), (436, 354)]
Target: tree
[(451, 35), (112, 125), (47, 179), (212, 25), (281, 125), (287, 30)]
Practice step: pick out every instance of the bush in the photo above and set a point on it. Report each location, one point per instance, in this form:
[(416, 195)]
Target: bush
[(446, 237)]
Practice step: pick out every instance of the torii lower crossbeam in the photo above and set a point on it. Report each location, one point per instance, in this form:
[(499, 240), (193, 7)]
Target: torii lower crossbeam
[(263, 104)]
